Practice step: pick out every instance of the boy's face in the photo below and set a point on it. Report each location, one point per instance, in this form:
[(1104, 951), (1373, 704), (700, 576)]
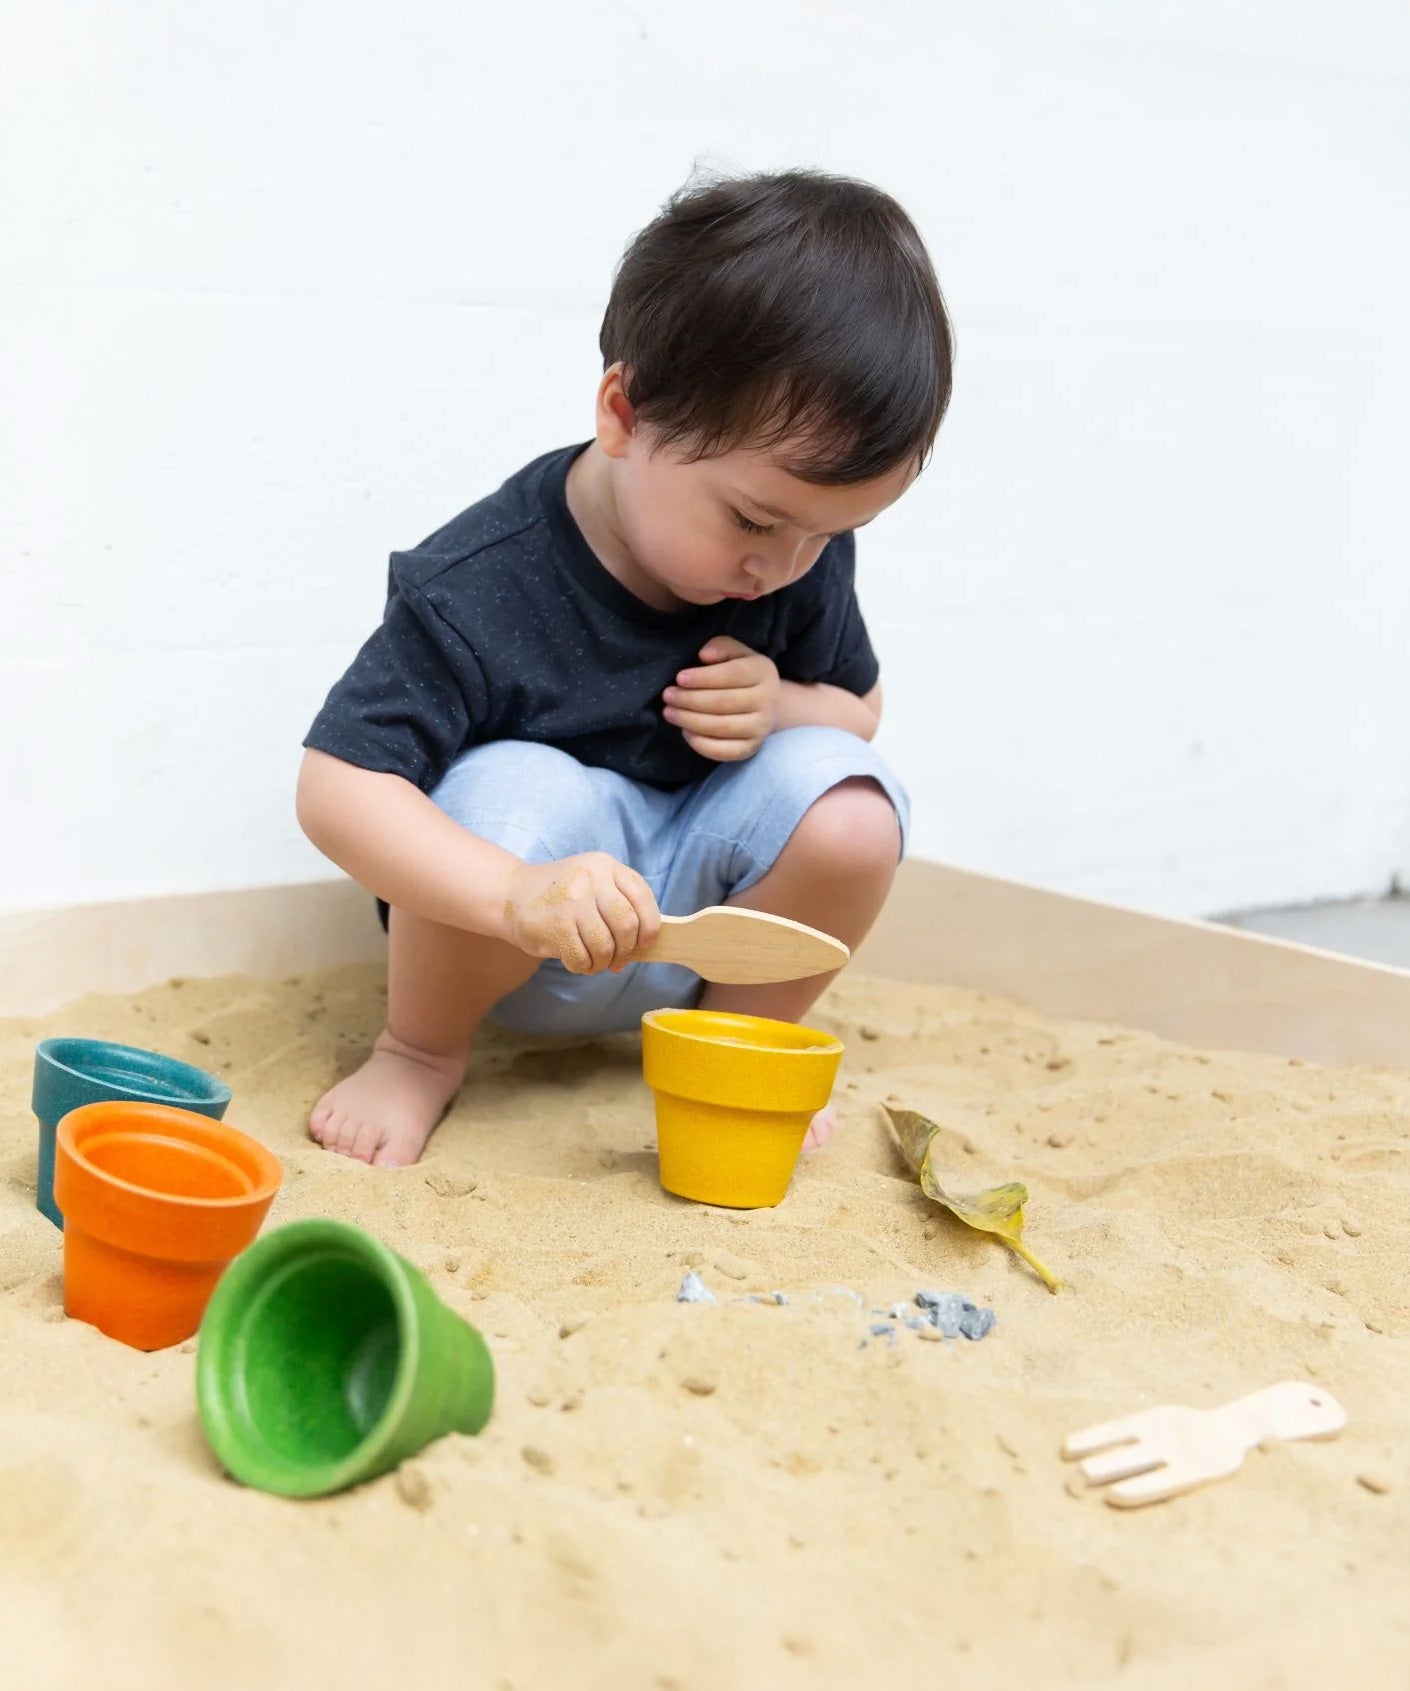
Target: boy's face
[(735, 526)]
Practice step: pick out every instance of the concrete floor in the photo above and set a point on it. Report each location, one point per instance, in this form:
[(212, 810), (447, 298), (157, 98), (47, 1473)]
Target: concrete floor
[(1377, 929)]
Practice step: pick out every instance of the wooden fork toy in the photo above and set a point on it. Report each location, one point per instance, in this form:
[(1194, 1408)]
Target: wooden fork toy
[(1158, 1453)]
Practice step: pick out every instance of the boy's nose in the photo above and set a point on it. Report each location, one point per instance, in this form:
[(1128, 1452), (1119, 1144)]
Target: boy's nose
[(775, 570)]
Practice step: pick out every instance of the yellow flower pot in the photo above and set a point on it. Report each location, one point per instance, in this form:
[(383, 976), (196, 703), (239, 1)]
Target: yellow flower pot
[(734, 1097)]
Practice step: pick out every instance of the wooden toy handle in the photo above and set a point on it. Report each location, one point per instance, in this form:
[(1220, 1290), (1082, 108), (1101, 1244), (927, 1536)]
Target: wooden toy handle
[(740, 947)]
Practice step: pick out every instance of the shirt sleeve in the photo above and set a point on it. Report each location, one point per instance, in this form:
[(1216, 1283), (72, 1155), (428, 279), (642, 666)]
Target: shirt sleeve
[(829, 640), (413, 699)]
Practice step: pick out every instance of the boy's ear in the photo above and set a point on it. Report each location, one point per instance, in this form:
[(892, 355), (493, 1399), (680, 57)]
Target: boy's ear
[(616, 420)]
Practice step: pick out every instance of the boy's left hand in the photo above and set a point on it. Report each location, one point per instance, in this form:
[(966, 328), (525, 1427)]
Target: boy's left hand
[(728, 709)]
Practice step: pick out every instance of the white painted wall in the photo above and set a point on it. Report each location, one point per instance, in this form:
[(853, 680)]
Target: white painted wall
[(287, 286)]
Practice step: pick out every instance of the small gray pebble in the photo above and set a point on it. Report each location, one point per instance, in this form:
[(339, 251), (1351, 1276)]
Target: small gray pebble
[(955, 1315), (694, 1290), (976, 1322)]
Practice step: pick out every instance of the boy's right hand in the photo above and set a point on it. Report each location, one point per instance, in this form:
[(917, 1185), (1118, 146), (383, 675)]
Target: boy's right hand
[(590, 912)]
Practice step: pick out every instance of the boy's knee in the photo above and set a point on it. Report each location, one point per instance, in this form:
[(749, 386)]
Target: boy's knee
[(852, 828), (518, 794)]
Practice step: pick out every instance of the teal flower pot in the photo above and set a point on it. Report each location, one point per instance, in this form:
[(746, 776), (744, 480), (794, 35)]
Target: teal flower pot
[(69, 1073)]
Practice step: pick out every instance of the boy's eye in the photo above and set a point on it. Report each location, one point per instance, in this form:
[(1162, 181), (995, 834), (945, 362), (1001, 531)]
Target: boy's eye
[(749, 527)]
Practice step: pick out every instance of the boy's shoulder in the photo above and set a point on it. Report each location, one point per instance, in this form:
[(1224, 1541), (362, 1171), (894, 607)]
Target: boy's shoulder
[(501, 525)]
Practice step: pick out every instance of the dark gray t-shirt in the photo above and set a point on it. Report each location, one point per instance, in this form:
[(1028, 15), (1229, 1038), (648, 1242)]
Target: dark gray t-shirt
[(504, 625)]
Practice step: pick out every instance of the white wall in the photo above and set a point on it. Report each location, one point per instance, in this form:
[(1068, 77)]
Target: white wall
[(287, 286)]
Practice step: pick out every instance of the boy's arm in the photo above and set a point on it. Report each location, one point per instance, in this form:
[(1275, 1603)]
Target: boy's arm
[(803, 704), (588, 911), (391, 838)]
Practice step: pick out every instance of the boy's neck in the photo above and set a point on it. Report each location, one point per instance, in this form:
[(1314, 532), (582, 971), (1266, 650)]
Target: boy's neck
[(593, 507)]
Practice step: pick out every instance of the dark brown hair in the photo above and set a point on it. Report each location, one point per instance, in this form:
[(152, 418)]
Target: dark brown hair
[(795, 311)]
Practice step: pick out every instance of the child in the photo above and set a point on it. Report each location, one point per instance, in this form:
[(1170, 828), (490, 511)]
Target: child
[(636, 679)]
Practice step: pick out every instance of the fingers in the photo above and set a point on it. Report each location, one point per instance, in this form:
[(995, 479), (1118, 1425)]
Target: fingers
[(723, 701), (597, 941), (589, 912), (610, 924), (722, 751), (620, 924), (737, 672), (724, 647), (643, 901), (564, 942), (716, 727), (622, 917)]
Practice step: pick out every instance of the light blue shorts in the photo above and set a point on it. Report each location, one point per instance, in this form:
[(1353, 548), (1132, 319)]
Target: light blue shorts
[(694, 847)]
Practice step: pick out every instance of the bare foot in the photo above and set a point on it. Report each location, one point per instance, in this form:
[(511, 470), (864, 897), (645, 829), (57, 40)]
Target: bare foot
[(385, 1113), (824, 1125)]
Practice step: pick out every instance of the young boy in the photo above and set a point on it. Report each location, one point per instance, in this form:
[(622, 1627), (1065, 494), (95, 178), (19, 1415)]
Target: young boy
[(636, 679)]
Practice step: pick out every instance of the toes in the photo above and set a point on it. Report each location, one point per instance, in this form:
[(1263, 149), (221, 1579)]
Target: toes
[(821, 1129), (365, 1141), (384, 1114), (319, 1119), (400, 1150), (337, 1133)]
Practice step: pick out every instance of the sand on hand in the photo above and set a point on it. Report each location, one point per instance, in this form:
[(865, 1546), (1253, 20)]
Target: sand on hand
[(705, 1496)]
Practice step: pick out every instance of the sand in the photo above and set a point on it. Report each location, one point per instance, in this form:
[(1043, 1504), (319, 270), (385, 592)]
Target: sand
[(707, 1497)]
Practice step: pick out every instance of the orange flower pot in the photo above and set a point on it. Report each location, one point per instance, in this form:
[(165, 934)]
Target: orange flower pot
[(156, 1202)]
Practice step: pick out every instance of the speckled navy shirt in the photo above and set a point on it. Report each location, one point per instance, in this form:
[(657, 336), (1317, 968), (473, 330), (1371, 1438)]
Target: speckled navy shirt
[(505, 626)]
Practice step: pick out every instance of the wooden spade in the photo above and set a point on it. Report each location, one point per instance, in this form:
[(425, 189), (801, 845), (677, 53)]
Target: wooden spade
[(739, 947)]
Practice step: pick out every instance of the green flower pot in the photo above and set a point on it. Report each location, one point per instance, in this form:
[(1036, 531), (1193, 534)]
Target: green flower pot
[(325, 1359)]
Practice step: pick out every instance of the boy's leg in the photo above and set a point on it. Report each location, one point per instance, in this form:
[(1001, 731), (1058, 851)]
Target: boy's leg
[(441, 984), (540, 804), (811, 827), (833, 874)]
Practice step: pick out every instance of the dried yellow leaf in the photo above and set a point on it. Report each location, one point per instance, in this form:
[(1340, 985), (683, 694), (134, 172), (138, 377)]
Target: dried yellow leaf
[(997, 1209)]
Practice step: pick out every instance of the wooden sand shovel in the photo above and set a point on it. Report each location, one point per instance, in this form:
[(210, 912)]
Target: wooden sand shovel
[(739, 947), (1158, 1453)]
